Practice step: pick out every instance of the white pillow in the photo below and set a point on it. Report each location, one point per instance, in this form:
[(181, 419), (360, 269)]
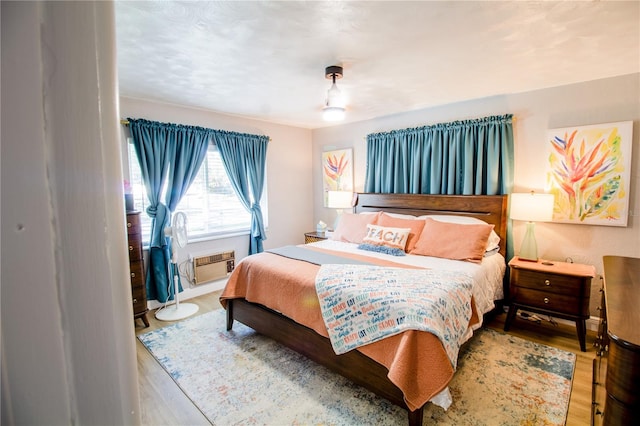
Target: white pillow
[(402, 216), (492, 243)]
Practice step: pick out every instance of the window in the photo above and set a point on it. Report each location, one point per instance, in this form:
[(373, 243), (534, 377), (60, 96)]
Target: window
[(211, 204)]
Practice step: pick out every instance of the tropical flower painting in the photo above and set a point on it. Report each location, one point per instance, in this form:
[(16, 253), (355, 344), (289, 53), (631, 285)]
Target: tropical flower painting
[(337, 171), (589, 172)]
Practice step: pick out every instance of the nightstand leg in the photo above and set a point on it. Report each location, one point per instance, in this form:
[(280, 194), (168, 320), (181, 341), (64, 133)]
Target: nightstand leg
[(581, 328), (510, 316)]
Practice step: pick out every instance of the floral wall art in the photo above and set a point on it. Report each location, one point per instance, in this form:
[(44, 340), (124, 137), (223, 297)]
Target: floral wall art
[(337, 171), (589, 173)]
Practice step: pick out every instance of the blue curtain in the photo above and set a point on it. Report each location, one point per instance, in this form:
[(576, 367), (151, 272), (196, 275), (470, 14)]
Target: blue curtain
[(471, 157), (462, 157), (244, 158), (169, 154)]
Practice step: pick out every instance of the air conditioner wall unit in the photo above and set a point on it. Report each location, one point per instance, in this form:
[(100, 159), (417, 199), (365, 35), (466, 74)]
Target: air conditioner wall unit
[(213, 267)]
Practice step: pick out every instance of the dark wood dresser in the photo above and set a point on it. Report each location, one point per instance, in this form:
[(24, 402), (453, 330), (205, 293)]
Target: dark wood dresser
[(136, 265), (617, 364)]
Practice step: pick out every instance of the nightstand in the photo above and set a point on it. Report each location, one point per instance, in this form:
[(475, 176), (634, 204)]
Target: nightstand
[(312, 237), (557, 289)]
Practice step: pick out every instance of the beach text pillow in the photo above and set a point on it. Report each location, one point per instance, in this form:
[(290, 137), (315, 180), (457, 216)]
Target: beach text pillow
[(386, 236)]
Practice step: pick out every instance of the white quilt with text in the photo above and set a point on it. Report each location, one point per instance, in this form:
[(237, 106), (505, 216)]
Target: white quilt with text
[(362, 304)]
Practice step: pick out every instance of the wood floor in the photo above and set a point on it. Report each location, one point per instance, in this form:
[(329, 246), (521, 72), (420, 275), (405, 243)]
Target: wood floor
[(163, 403)]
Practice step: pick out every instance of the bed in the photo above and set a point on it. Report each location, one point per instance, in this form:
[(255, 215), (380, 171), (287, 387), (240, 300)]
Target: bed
[(389, 366)]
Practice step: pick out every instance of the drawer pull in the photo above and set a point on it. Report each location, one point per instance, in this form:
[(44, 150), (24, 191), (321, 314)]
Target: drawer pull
[(129, 225), (135, 301), (546, 300), (130, 248), (547, 282), (133, 275)]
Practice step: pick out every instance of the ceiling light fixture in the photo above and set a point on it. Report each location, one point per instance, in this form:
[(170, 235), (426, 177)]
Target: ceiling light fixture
[(334, 106)]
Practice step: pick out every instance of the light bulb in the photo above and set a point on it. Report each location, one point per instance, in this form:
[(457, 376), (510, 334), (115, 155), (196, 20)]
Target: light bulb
[(334, 97), (334, 109)]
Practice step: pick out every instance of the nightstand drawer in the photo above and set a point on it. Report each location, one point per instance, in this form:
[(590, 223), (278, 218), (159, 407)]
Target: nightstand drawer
[(560, 303), (552, 283)]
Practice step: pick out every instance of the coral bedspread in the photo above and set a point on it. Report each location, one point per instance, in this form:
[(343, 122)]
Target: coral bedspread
[(417, 362)]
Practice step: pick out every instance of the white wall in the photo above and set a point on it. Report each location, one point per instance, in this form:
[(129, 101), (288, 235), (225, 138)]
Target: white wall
[(289, 178), (68, 346), (601, 101)]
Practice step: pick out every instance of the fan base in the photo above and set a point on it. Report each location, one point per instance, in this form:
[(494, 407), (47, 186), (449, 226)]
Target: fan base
[(177, 312)]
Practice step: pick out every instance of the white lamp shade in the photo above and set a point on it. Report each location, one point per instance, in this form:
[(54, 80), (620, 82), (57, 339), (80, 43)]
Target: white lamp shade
[(339, 199), (532, 207), (334, 107)]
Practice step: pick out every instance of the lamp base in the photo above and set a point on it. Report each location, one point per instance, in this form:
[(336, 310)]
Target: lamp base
[(337, 221), (524, 259), (529, 249)]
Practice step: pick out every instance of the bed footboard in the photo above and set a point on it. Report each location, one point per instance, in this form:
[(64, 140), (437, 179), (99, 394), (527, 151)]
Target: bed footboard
[(353, 365)]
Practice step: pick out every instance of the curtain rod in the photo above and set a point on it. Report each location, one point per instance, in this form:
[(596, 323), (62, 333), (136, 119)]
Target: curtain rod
[(125, 122), (513, 120)]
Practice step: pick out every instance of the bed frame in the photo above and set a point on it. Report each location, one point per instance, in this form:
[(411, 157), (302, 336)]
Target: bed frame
[(353, 365)]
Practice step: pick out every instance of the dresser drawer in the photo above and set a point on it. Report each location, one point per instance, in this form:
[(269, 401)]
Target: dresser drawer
[(551, 283), (623, 374), (133, 223), (598, 391), (137, 273), (560, 303), (139, 299), (135, 247)]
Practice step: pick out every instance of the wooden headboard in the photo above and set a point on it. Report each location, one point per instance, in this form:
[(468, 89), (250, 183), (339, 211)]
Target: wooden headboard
[(490, 208)]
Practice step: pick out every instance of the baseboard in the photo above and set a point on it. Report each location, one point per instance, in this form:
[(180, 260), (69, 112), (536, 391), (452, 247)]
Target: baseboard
[(191, 292)]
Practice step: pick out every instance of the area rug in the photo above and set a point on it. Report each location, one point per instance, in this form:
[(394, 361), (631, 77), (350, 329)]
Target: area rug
[(240, 377)]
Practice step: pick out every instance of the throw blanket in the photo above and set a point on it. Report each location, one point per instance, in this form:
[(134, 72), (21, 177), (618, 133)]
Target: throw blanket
[(362, 304), (314, 256)]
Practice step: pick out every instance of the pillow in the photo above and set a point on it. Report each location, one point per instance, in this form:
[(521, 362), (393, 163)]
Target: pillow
[(401, 216), (353, 227), (453, 240), (414, 225), (493, 241), (389, 237)]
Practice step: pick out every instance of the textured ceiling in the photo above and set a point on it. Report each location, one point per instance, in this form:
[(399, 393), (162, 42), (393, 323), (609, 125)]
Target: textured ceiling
[(266, 59)]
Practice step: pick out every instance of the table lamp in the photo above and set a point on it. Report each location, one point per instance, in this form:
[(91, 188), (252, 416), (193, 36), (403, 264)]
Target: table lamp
[(339, 200), (531, 207)]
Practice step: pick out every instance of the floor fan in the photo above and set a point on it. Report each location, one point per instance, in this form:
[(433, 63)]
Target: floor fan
[(178, 234)]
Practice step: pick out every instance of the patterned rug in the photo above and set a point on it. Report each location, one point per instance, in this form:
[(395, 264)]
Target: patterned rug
[(241, 377)]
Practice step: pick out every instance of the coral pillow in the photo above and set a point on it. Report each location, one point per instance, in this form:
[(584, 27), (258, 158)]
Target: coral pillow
[(352, 228), (494, 240), (453, 240), (415, 225), (389, 237)]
